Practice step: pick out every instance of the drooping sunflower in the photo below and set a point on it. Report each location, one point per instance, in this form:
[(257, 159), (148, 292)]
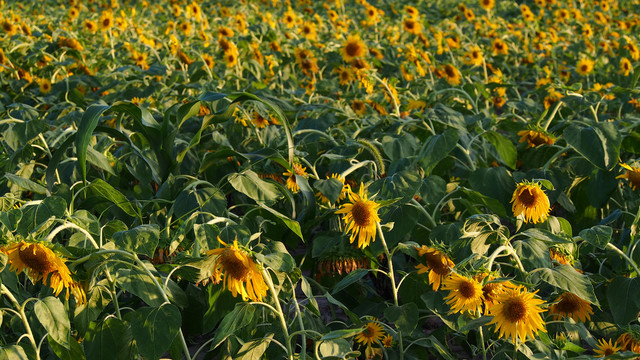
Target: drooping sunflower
[(360, 217), (238, 271), (535, 138), (371, 333), (291, 178), (629, 341), (530, 200), (606, 348), (584, 66), (632, 174), (465, 294), (40, 263), (517, 314), (437, 263), (353, 48), (569, 304)]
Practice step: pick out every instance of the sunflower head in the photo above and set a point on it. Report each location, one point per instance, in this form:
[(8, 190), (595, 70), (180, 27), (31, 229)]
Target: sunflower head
[(465, 294), (584, 66), (437, 263), (517, 314), (530, 201), (606, 348), (535, 138), (569, 304), (360, 216), (371, 333), (632, 175), (291, 176), (353, 48)]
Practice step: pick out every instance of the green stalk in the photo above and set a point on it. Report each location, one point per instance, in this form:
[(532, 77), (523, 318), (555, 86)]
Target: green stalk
[(23, 317), (627, 258), (279, 311)]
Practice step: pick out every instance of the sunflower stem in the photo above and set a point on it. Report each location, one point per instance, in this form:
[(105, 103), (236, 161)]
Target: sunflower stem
[(553, 114), (114, 294), (23, 316), (511, 252), (628, 259), (392, 277), (283, 321), (484, 349)]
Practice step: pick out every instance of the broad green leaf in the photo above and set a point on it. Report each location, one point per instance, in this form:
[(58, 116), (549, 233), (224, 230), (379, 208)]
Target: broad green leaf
[(340, 334), (142, 239), (405, 317), (155, 328), (279, 259), (291, 224), (433, 189), (208, 199), (330, 188), (335, 348), (567, 278), (404, 184), (104, 190), (250, 184), (140, 284), (26, 184), (599, 143), (54, 319), (504, 146), (252, 350), (475, 323), (51, 206), (19, 134), (436, 148), (599, 235), (109, 339), (13, 352), (352, 278), (98, 159), (139, 114), (74, 352), (493, 182), (241, 316), (545, 235), (85, 132), (623, 294), (220, 302), (322, 243), (533, 253), (433, 343)]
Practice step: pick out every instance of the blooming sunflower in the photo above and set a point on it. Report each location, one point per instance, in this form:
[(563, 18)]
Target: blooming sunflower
[(606, 348), (465, 293), (41, 264), (499, 47), (291, 176), (241, 274), (535, 138), (517, 314), (569, 304), (632, 174), (45, 86), (353, 48), (387, 341), (530, 200), (437, 262), (491, 289), (451, 74), (584, 66), (413, 26), (371, 333), (473, 56), (360, 217), (487, 4)]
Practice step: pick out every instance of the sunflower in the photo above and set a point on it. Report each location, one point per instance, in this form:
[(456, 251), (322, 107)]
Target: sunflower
[(259, 121), (353, 48), (625, 66), (90, 25), (535, 138), (530, 201), (290, 18), (411, 11), (387, 341), (41, 264), (465, 294), (360, 217), (291, 179), (517, 314), (371, 333), (343, 192), (358, 106), (345, 75), (606, 348), (241, 274), (412, 26), (584, 66), (45, 86), (106, 20), (451, 74), (487, 4), (473, 56), (632, 174), (308, 31), (491, 289), (73, 12), (437, 263), (208, 60), (629, 341), (569, 304), (499, 47)]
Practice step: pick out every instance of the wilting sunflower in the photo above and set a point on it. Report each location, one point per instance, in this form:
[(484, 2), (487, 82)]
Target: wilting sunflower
[(629, 341), (241, 274), (606, 348), (465, 294), (530, 200), (360, 217), (437, 263), (535, 138), (41, 264), (371, 333), (353, 48), (584, 66), (632, 174), (517, 314), (291, 179), (569, 304)]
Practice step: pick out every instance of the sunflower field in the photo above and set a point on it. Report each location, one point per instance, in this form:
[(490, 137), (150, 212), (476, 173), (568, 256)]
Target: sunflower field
[(299, 179)]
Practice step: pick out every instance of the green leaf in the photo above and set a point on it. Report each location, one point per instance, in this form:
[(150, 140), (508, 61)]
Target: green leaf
[(404, 184), (340, 334), (250, 184), (139, 114), (433, 189), (19, 134), (252, 350), (436, 148), (291, 224), (475, 323), (241, 316), (623, 294), (504, 146), (432, 343), (279, 259), (100, 160), (75, 352), (351, 278), (104, 190), (567, 278), (209, 199), (493, 182), (599, 235), (404, 317), (545, 235), (142, 239), (599, 143), (13, 352), (109, 339), (26, 184), (87, 124), (330, 188), (335, 348), (140, 284), (155, 328), (533, 253), (54, 319)]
